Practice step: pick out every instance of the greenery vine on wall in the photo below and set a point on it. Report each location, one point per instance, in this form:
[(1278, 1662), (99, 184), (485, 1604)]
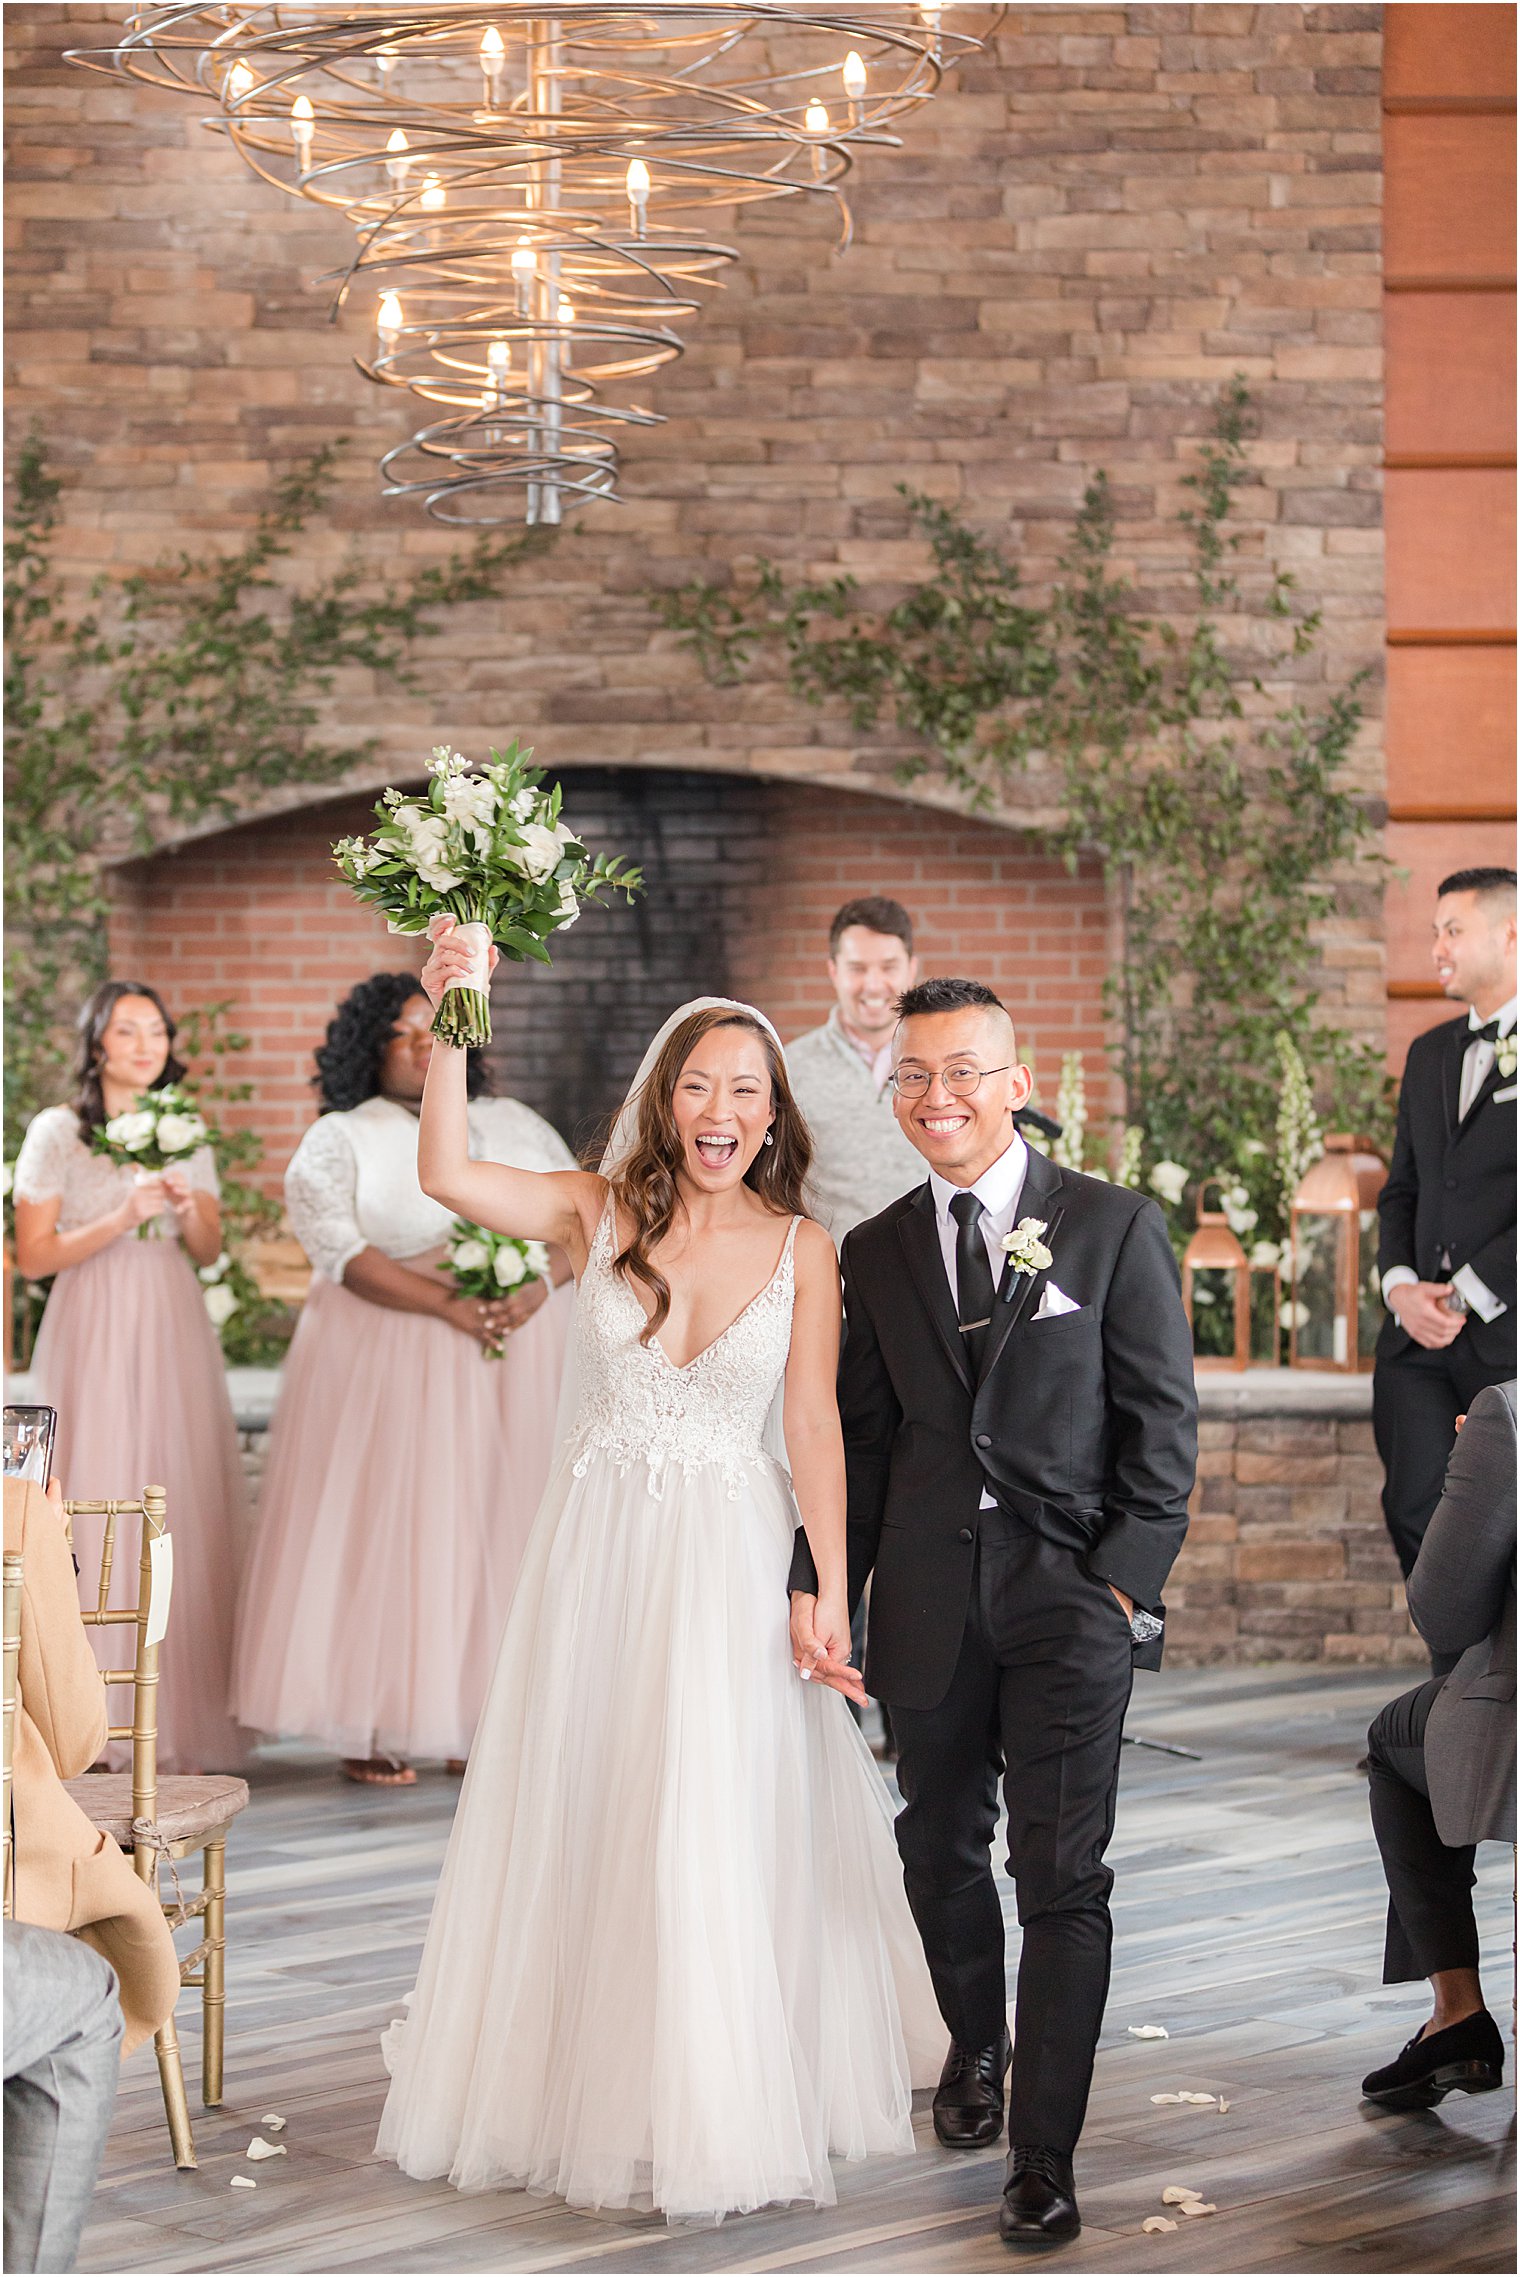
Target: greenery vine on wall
[(1225, 825)]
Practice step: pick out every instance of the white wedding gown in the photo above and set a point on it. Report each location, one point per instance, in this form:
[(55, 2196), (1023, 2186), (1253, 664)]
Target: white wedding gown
[(670, 1963)]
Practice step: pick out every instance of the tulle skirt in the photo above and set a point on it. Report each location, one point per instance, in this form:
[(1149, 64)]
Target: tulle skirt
[(130, 1360), (671, 1962), (404, 1471)]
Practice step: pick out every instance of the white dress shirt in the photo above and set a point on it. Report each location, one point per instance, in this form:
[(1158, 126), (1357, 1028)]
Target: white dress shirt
[(1477, 1061), (998, 1190)]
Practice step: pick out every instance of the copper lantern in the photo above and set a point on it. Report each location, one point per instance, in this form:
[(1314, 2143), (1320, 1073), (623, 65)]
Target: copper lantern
[(1335, 1305), (1216, 1290)]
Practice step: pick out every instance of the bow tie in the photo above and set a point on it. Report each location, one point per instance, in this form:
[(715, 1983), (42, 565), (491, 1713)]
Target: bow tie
[(1487, 1034)]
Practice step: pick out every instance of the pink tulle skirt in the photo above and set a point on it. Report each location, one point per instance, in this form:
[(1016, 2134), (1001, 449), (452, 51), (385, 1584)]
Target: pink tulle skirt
[(405, 1469), (130, 1360)]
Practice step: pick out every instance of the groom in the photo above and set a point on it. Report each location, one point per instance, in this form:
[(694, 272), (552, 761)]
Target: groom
[(1020, 1436)]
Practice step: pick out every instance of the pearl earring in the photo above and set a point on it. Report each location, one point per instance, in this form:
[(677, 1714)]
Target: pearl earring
[(769, 1140)]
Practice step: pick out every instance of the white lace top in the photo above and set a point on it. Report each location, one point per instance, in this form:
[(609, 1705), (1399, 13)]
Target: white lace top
[(636, 1406), (54, 1160), (352, 1181)]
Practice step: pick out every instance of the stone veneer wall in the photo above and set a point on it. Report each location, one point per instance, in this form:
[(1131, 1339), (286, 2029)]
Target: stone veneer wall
[(1286, 1556)]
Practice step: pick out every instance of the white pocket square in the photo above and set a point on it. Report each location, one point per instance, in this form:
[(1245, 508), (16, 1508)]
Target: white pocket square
[(1507, 1093), (1054, 1301)]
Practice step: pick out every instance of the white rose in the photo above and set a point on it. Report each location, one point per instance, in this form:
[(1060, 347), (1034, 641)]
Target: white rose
[(568, 908), (220, 1303), (210, 1273), (538, 1258), (469, 1256), (508, 1267), (539, 855), (1169, 1180), (430, 853), (524, 806), (133, 1131), (470, 800), (1239, 1221), (1265, 1255), (180, 1134), (1293, 1316)]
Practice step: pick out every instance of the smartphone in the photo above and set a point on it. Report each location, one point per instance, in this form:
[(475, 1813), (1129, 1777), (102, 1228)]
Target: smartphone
[(29, 1436)]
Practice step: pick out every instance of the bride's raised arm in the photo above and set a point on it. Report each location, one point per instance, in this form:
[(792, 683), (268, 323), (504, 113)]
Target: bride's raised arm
[(559, 1206)]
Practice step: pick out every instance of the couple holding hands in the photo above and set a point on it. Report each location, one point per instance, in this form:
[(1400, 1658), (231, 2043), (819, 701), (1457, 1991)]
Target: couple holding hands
[(676, 1960)]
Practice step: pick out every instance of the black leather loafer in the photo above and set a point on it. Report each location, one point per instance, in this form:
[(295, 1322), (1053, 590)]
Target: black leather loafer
[(1469, 2056), (1039, 2198), (968, 2102)]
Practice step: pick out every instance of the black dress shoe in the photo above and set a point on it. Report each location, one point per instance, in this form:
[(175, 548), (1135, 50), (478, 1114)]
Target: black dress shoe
[(1469, 2055), (1039, 2198), (968, 2102)]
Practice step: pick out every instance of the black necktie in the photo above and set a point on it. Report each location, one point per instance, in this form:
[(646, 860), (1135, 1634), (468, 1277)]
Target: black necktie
[(973, 1278)]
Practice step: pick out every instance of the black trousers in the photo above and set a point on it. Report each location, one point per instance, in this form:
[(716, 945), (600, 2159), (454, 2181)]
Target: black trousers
[(1431, 1924), (1416, 1399), (1038, 1695)]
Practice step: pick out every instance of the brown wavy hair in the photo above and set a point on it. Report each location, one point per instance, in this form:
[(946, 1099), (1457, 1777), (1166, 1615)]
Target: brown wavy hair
[(94, 1018), (644, 1185)]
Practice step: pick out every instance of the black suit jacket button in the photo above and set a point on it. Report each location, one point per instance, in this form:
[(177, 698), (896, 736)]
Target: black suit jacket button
[(984, 1438), (967, 1535)]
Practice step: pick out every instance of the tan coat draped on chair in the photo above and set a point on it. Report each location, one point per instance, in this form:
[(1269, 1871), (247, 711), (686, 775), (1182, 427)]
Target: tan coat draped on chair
[(69, 1876)]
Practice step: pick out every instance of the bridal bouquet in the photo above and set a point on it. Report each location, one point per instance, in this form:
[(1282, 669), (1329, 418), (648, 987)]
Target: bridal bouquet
[(491, 849), (160, 1130), (486, 1264)]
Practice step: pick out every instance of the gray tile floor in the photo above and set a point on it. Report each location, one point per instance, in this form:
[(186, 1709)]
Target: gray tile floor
[(1249, 1914)]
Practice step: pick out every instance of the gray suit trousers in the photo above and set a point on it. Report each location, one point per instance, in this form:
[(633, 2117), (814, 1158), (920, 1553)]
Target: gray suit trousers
[(63, 2030)]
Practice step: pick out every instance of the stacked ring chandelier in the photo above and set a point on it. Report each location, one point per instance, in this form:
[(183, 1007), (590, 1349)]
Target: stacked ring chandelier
[(529, 192)]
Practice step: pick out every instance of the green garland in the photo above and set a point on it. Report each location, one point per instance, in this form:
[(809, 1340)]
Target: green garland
[(1224, 826)]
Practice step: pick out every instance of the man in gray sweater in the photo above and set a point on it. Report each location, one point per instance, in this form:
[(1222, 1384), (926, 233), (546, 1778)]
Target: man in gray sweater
[(841, 1073)]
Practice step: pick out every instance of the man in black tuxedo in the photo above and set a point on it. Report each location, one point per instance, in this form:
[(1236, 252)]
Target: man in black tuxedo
[(1446, 1252), (1020, 1431)]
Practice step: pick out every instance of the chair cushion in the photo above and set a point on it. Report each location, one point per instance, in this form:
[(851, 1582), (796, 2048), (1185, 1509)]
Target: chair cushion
[(190, 1809)]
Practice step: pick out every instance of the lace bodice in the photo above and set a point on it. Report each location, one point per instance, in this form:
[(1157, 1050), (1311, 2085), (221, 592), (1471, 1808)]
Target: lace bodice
[(54, 1160), (637, 1406), (352, 1182)]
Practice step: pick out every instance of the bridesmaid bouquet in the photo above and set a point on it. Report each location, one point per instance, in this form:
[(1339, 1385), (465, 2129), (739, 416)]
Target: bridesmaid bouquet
[(490, 849), (163, 1128), (486, 1264)]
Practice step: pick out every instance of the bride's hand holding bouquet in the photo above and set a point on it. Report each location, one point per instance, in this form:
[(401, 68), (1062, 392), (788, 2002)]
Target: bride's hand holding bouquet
[(489, 850)]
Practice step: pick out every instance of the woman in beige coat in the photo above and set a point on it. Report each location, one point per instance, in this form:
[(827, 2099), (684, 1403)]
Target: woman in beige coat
[(69, 1876)]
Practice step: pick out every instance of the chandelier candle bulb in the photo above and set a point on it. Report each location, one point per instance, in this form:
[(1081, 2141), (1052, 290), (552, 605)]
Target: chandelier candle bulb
[(303, 127), (434, 196), (524, 269), (638, 196), (493, 60), (854, 77), (397, 164), (816, 119), (388, 323), (240, 82)]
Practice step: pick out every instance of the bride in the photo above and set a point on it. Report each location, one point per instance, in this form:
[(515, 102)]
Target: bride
[(670, 1963)]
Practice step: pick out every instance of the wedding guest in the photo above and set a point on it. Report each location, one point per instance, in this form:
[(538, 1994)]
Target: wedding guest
[(841, 1073), (1446, 1255), (62, 2055), (128, 1357), (1441, 1762), (405, 1462)]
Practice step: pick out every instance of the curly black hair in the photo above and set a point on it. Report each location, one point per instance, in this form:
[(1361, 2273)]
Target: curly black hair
[(348, 1060)]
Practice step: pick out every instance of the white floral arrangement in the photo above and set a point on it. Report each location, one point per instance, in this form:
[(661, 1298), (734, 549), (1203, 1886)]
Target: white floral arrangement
[(159, 1131), (490, 848), (485, 1264), (1026, 1252), (1506, 1056), (1071, 1113), (220, 1297)]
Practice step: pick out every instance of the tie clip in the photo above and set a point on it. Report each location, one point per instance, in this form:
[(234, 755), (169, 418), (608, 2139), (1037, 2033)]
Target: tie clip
[(966, 1326)]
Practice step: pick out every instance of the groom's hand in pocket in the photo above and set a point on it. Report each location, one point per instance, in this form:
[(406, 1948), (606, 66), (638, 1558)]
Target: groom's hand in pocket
[(819, 1655)]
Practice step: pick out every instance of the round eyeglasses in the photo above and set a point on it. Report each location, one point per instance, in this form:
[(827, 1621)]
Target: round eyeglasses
[(960, 1082)]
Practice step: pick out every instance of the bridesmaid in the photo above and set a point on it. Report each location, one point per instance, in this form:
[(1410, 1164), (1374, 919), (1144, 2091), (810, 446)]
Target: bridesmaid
[(405, 1466), (130, 1360)]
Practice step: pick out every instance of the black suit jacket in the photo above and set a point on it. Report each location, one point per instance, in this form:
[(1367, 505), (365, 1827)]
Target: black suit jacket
[(1083, 1425), (1451, 1189)]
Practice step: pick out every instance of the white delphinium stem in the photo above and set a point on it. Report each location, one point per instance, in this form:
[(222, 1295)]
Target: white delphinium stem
[(1299, 1141), (1071, 1112), (1131, 1155)]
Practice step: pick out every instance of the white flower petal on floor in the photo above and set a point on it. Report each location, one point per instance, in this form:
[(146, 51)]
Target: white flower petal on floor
[(1195, 2206), (272, 2121), (258, 2148), (1149, 2032), (1154, 2223), (1178, 2194), (242, 2182)]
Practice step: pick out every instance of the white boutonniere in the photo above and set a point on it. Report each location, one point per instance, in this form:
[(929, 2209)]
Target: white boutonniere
[(1506, 1054), (1026, 1252)]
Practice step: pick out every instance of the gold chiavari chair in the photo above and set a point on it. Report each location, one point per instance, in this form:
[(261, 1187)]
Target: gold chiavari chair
[(12, 1636), (161, 1820)]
